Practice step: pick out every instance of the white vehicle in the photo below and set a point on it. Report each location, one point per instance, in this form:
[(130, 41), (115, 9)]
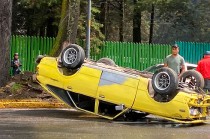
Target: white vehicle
[(189, 78), (153, 68)]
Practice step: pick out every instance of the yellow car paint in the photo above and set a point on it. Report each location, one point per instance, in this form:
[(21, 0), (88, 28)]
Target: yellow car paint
[(115, 87)]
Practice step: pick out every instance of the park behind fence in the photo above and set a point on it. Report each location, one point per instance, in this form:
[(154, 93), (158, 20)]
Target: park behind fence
[(133, 55)]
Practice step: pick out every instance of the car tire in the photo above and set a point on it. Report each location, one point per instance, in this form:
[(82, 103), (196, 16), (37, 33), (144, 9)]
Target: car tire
[(196, 79), (165, 81), (72, 56), (107, 61), (39, 58)]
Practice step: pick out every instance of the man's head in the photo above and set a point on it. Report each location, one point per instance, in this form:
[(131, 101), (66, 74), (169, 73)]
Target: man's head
[(206, 54), (16, 55), (175, 49)]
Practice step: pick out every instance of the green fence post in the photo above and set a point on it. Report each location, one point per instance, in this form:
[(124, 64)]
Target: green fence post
[(48, 46), (42, 46), (126, 54), (137, 62), (22, 52), (13, 46), (133, 55), (116, 55), (119, 54)]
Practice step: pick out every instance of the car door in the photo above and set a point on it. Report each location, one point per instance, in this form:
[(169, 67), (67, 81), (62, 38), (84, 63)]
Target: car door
[(116, 89), (82, 87)]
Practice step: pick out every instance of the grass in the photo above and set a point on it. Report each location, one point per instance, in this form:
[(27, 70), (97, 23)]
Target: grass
[(16, 87)]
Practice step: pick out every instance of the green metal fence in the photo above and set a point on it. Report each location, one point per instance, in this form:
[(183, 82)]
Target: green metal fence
[(134, 55), (193, 51), (29, 48)]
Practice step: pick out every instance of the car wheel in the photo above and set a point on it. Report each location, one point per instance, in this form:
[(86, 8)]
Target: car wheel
[(107, 61), (72, 56), (193, 79), (39, 58), (165, 81)]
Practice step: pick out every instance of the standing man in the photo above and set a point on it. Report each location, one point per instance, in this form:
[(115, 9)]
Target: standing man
[(15, 64), (175, 61), (204, 68)]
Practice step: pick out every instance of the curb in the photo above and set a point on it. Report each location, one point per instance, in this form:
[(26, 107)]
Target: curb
[(30, 104)]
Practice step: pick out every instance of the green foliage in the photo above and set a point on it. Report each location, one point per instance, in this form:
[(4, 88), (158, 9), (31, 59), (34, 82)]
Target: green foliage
[(36, 17), (62, 32), (16, 87), (185, 20), (97, 36), (39, 3)]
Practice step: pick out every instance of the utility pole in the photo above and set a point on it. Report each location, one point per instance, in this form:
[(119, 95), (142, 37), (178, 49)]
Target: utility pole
[(88, 30)]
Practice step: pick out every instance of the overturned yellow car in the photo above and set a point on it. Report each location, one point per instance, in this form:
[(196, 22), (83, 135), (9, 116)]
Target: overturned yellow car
[(109, 91)]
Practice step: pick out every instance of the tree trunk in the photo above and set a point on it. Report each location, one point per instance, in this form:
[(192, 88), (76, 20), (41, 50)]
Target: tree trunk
[(152, 24), (62, 29), (5, 34), (136, 24), (67, 29), (103, 17), (50, 28), (42, 31), (73, 18), (121, 28)]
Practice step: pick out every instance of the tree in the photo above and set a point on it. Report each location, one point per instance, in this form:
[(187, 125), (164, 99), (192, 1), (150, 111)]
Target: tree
[(183, 20), (115, 19), (96, 35), (73, 19), (62, 29), (103, 16), (5, 33), (72, 25), (152, 23), (36, 17), (136, 23), (122, 19)]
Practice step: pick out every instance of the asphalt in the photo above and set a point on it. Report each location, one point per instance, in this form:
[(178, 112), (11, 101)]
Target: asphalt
[(71, 124)]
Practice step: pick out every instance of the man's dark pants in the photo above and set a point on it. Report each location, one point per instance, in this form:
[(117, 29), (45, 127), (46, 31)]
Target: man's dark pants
[(207, 85)]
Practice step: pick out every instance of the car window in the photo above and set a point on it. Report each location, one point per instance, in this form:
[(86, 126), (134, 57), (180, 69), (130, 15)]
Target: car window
[(191, 68), (152, 69)]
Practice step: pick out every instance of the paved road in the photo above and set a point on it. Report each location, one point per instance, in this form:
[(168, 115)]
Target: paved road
[(67, 124)]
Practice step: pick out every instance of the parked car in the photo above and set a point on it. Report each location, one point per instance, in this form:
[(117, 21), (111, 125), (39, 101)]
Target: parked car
[(153, 68), (111, 91)]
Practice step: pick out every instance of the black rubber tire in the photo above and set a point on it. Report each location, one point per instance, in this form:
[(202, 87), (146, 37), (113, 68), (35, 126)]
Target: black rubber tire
[(107, 61), (170, 82), (39, 58), (199, 80), (75, 59)]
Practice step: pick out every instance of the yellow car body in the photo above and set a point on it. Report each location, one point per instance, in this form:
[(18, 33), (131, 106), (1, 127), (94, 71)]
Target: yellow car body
[(109, 87)]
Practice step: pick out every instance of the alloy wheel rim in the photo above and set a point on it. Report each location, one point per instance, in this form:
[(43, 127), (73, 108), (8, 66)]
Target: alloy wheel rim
[(70, 56), (162, 80)]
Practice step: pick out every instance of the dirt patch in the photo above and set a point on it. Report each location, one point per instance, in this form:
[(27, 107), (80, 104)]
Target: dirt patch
[(22, 86)]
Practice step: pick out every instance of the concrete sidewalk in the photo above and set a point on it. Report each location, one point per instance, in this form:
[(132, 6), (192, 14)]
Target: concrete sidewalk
[(30, 104)]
